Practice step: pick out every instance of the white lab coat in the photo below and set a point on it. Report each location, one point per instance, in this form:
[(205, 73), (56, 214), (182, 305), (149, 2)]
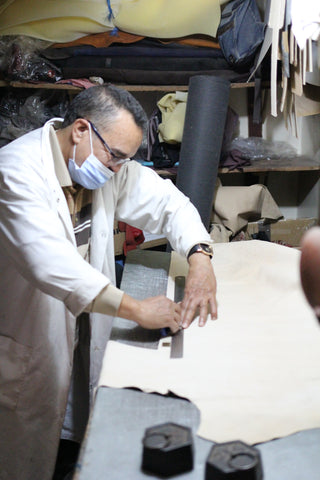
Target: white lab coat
[(45, 284)]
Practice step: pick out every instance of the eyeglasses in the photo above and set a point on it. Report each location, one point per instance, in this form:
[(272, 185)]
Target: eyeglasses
[(117, 159)]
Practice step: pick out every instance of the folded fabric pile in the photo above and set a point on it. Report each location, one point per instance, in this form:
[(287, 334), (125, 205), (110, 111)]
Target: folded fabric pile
[(121, 41)]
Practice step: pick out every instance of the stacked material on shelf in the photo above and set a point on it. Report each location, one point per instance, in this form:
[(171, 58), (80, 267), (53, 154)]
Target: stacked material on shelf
[(293, 35)]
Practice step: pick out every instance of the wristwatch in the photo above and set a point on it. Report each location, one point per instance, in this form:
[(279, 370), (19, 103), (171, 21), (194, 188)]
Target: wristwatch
[(201, 248)]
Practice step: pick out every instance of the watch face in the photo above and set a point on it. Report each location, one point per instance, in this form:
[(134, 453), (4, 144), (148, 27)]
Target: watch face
[(207, 249), (202, 248)]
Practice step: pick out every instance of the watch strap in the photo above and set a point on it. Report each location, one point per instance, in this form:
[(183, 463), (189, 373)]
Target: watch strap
[(204, 248)]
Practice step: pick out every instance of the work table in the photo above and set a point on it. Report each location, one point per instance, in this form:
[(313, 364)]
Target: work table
[(113, 444)]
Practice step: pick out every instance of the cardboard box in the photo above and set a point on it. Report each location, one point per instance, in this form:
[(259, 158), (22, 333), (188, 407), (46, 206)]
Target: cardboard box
[(286, 232), (152, 240), (119, 239)]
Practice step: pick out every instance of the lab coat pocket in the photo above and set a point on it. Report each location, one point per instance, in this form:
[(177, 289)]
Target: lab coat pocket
[(13, 367)]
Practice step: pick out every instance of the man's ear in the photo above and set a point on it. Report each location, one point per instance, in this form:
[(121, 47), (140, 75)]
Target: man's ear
[(80, 128)]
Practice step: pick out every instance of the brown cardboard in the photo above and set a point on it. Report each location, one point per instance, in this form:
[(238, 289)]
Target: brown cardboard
[(119, 239), (288, 232)]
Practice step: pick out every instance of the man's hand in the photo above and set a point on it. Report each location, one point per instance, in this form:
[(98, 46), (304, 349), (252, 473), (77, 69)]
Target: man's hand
[(152, 313), (200, 291)]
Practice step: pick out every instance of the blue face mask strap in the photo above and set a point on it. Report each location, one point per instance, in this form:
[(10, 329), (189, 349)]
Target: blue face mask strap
[(75, 145), (74, 153), (90, 135)]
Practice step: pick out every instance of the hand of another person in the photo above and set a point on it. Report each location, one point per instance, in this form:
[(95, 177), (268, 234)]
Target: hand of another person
[(200, 291), (310, 268)]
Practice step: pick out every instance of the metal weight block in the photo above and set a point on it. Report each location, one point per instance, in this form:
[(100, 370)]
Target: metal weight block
[(167, 449), (233, 461)]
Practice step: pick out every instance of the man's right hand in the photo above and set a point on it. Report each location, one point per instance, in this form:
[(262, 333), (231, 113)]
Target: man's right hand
[(151, 313)]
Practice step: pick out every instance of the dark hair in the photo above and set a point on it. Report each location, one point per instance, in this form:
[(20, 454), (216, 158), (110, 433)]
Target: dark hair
[(101, 104)]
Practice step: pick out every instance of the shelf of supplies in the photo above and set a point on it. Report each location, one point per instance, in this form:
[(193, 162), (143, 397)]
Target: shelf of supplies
[(170, 88), (48, 86), (131, 88), (295, 164)]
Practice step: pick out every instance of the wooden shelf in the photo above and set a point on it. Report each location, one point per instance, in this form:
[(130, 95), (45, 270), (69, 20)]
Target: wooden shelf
[(296, 164), (131, 88), (299, 163), (48, 86), (170, 88)]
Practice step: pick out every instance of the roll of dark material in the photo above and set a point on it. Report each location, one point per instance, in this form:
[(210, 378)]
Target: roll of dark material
[(201, 144)]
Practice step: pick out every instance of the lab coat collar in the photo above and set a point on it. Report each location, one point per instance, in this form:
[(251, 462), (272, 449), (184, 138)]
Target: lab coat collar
[(60, 166), (50, 165)]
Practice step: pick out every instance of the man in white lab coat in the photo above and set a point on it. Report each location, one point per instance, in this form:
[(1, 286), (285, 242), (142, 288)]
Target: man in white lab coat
[(61, 188)]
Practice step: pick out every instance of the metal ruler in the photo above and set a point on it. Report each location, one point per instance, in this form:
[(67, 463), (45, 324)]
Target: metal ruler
[(177, 338)]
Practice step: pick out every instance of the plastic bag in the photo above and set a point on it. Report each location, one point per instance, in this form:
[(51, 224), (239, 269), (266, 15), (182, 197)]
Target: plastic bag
[(20, 60), (254, 148), (21, 112)]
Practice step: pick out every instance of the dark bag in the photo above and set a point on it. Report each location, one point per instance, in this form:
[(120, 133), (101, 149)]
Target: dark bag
[(163, 155), (240, 32)]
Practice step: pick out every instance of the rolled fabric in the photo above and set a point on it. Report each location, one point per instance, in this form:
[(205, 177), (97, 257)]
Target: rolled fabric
[(201, 144)]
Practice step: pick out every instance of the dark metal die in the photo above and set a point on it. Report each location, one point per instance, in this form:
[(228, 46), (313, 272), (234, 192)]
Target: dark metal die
[(167, 449), (233, 461)]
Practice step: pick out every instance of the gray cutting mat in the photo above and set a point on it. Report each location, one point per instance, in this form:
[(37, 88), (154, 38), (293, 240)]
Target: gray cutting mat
[(141, 265)]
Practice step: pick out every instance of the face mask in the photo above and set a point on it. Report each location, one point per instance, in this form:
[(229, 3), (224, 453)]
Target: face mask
[(92, 174)]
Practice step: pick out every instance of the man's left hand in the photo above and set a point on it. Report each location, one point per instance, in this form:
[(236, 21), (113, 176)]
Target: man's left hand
[(200, 291)]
